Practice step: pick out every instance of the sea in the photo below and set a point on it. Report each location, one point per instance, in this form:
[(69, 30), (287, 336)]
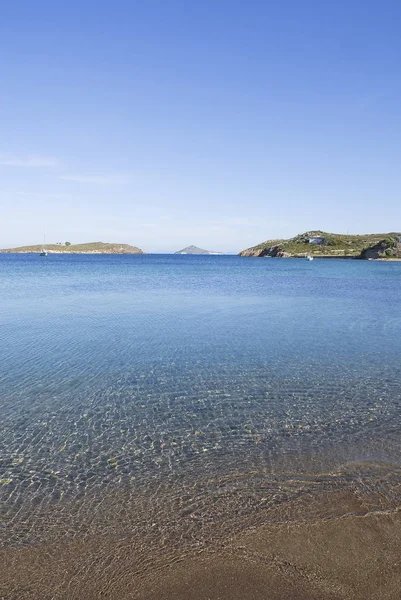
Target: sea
[(155, 397)]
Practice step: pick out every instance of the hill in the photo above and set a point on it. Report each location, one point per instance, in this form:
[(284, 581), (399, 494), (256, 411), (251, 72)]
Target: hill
[(321, 244), (195, 250), (89, 248)]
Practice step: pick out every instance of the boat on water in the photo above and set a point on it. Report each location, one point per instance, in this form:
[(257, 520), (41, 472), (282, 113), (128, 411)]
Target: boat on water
[(43, 252), (309, 257)]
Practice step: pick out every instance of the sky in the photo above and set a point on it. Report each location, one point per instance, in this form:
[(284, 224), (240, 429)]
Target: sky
[(217, 123)]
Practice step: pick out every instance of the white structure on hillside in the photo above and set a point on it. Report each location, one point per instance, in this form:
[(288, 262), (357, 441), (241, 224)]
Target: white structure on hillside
[(317, 240)]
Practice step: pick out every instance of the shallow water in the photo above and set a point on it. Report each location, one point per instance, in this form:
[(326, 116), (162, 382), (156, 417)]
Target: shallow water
[(143, 391)]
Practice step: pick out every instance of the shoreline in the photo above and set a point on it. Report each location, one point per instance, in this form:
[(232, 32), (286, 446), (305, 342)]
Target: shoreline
[(75, 252), (393, 259), (336, 546), (333, 536), (329, 257)]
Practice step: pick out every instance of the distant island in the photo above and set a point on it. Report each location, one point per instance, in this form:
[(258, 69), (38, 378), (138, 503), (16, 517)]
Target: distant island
[(320, 244), (89, 248), (195, 250)]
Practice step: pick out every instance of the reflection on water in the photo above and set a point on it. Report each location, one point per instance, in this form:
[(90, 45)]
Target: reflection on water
[(140, 393)]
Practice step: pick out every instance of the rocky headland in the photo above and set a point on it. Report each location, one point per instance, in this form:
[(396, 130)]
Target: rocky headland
[(320, 244)]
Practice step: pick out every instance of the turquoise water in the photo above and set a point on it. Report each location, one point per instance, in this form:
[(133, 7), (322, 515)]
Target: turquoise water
[(122, 373)]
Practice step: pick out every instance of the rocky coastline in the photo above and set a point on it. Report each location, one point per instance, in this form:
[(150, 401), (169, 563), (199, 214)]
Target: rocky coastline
[(320, 244)]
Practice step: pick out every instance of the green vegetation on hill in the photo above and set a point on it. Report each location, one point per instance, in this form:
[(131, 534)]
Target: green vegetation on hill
[(90, 248), (378, 245)]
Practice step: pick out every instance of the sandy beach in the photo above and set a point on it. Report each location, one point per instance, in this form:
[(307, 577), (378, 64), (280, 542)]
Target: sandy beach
[(337, 544)]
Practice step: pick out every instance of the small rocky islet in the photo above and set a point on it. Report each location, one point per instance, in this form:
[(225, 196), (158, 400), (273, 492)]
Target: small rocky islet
[(195, 250)]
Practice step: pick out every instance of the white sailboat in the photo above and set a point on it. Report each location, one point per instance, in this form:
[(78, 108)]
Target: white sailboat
[(43, 251)]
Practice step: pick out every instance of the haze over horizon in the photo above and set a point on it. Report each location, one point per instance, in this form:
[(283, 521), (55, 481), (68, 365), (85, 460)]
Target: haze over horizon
[(220, 125)]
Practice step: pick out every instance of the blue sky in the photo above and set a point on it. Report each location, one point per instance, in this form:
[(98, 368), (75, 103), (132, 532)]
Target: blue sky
[(220, 123)]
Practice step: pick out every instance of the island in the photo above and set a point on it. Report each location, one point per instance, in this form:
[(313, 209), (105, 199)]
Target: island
[(195, 250), (89, 248), (320, 244)]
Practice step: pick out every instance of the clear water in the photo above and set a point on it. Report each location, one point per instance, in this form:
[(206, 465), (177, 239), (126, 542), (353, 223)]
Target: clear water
[(183, 379)]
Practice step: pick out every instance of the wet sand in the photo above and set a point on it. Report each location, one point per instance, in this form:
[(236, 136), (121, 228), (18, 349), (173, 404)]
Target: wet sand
[(351, 557), (336, 545)]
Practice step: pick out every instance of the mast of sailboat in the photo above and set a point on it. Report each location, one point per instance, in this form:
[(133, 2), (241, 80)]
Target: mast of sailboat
[(44, 251)]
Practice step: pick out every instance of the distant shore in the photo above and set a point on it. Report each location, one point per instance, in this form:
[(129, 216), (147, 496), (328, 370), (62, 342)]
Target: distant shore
[(67, 252), (333, 257), (67, 248), (321, 244)]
